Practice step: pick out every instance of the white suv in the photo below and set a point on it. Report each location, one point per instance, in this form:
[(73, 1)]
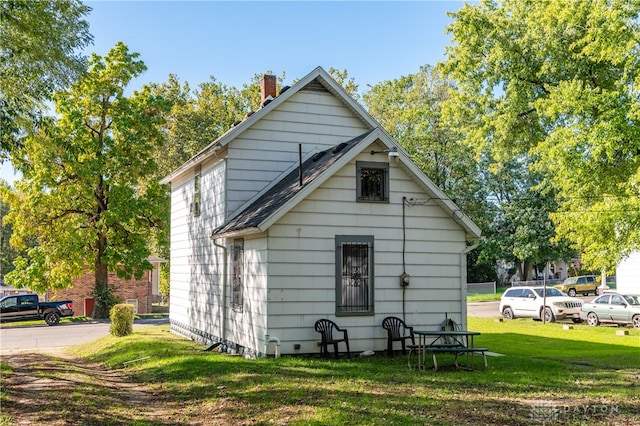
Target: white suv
[(528, 302)]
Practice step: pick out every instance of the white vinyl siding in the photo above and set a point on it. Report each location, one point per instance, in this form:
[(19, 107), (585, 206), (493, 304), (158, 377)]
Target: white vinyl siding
[(263, 152), (289, 270), (195, 263), (302, 261), (247, 326)]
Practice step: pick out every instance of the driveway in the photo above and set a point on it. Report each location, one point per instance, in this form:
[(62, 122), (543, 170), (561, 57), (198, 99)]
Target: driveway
[(43, 337), (483, 309)]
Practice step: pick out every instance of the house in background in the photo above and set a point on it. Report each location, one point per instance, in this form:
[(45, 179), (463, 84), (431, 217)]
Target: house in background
[(141, 293), (308, 209), (7, 290), (628, 274)]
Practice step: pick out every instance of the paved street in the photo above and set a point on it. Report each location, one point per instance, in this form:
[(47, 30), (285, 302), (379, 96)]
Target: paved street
[(43, 337), (483, 309), (490, 309)]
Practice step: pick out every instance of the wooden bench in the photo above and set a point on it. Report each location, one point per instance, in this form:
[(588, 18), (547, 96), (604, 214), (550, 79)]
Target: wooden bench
[(456, 351), (452, 348)]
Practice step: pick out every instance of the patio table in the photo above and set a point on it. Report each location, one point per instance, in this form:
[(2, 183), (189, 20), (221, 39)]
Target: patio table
[(445, 341)]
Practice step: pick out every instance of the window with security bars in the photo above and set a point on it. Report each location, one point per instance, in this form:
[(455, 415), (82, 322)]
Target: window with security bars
[(372, 181), (237, 266), (354, 275)]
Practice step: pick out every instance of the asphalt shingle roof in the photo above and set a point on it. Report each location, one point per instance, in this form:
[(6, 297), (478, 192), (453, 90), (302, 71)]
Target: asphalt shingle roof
[(283, 191)]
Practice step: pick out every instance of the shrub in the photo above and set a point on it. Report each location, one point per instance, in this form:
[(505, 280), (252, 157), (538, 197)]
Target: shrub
[(121, 316)]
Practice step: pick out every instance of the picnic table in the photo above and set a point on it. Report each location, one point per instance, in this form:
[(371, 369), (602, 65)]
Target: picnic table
[(455, 342)]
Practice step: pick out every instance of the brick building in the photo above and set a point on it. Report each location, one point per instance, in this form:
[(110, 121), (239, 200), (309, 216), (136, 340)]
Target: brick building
[(142, 292)]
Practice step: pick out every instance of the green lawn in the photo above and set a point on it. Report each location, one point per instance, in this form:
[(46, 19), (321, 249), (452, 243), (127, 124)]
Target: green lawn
[(546, 374)]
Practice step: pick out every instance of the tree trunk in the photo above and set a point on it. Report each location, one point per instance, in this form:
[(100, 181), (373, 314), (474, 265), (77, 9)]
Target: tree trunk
[(524, 270), (102, 292)]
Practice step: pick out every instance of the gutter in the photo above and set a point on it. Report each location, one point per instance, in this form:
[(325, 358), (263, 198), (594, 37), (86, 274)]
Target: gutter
[(463, 285), (224, 288), (235, 234)]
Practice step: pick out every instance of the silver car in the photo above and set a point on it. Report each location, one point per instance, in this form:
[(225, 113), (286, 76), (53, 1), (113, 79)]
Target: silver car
[(612, 308)]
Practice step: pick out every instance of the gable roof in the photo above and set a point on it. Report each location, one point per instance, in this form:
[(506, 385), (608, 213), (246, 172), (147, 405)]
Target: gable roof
[(256, 214), (268, 206), (277, 199), (316, 79)]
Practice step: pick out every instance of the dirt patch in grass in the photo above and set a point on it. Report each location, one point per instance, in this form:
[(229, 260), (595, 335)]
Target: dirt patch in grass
[(55, 389), (214, 389)]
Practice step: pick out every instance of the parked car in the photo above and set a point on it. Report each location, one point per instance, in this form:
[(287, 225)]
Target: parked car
[(612, 308), (584, 284), (28, 306), (528, 302)]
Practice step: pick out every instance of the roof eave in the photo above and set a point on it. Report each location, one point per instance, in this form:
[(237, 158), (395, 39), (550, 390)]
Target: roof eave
[(235, 131), (310, 187), (472, 231), (237, 234)]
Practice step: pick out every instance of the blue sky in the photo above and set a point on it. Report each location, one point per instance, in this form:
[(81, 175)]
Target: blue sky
[(232, 41)]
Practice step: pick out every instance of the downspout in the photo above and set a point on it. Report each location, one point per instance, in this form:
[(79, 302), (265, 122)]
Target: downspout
[(404, 263), (224, 289), (463, 286)]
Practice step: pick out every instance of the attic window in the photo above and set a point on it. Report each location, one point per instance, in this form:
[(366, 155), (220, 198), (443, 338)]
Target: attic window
[(372, 182)]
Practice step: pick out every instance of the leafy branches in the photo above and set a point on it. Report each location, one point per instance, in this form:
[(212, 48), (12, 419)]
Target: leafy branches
[(557, 82), (38, 44), (101, 204)]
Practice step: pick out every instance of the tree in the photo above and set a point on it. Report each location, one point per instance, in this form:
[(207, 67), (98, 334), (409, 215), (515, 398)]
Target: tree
[(198, 117), (410, 109), (522, 232), (558, 81), (7, 253), (89, 190), (38, 45), (347, 83)]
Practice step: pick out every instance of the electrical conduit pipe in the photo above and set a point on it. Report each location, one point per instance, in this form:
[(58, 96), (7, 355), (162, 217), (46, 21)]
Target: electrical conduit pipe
[(275, 340)]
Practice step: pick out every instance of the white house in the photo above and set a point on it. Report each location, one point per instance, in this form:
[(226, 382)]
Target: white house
[(308, 209), (628, 274)]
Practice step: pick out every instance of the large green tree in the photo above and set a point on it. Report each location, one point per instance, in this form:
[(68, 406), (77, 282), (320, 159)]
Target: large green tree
[(90, 191), (521, 231), (558, 81), (7, 253), (198, 117), (410, 109), (39, 44)]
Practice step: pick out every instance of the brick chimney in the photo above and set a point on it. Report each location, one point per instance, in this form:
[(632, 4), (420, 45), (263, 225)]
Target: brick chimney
[(267, 87)]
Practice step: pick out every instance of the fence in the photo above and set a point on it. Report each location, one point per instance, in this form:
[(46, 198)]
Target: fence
[(535, 283), (482, 288)]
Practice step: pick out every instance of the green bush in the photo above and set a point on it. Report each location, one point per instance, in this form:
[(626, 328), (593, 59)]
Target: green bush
[(121, 316)]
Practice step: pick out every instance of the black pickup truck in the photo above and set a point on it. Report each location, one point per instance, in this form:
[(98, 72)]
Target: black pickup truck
[(27, 306)]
